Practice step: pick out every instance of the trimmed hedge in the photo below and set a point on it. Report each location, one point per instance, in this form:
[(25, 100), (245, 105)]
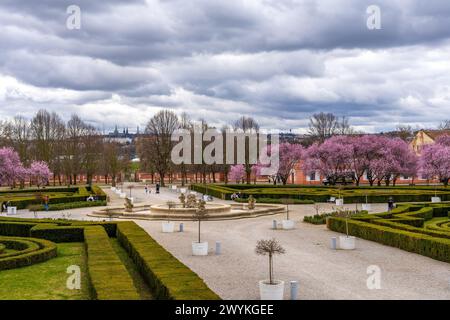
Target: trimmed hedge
[(166, 276), (433, 247), (67, 206), (109, 278), (30, 251), (2, 248)]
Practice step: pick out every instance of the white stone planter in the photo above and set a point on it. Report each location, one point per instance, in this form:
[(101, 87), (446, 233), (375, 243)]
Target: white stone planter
[(271, 291), (288, 224), (366, 206), (347, 243), (200, 248), (435, 199), (183, 190), (12, 210), (113, 189), (339, 202), (168, 227), (123, 195)]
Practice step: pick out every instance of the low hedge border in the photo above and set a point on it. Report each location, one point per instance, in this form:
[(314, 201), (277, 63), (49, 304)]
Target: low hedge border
[(109, 278), (67, 206), (53, 230), (2, 248), (276, 201), (166, 275), (37, 250)]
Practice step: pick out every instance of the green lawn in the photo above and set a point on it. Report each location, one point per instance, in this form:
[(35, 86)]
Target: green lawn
[(47, 280), (139, 283)]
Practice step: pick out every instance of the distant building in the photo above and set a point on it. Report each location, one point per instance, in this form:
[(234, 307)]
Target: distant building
[(123, 137), (425, 137)]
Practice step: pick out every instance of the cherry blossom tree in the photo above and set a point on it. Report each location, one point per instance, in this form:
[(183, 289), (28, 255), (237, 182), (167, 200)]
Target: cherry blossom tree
[(11, 168), (289, 155), (435, 160), (331, 158), (237, 173), (39, 173)]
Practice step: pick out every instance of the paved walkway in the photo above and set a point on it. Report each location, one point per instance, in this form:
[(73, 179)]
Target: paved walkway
[(322, 273)]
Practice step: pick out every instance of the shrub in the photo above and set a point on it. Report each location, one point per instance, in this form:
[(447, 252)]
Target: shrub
[(317, 218)]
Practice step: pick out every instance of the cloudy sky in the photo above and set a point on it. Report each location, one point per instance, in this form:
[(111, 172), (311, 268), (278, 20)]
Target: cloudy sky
[(278, 61)]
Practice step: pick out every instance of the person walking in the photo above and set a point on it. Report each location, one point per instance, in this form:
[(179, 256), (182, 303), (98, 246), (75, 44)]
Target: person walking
[(46, 201), (157, 187), (146, 189), (391, 204)]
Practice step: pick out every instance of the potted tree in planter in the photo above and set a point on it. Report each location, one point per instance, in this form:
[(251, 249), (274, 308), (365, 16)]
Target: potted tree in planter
[(435, 198), (270, 289), (366, 206), (169, 226), (200, 248), (346, 242), (340, 199), (251, 203), (287, 223)]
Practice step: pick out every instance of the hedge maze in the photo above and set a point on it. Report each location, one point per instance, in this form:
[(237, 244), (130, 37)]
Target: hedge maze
[(351, 194), (28, 241), (419, 228)]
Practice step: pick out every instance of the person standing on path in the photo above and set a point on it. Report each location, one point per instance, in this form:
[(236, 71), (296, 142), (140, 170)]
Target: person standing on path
[(391, 204), (146, 189)]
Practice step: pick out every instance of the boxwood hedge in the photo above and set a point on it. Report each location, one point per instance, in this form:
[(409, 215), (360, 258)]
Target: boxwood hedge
[(402, 228), (26, 252)]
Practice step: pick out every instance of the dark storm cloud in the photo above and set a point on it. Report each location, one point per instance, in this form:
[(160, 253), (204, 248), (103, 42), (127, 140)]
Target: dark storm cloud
[(219, 59)]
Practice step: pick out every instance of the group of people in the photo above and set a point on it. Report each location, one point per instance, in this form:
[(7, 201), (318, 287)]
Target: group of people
[(92, 198), (5, 206), (147, 189), (235, 196)]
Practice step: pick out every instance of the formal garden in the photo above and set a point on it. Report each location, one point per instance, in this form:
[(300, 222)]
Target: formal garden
[(117, 260)]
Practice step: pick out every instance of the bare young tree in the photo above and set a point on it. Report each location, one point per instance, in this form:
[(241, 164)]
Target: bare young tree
[(269, 248), (159, 131), (247, 125), (322, 126), (444, 125)]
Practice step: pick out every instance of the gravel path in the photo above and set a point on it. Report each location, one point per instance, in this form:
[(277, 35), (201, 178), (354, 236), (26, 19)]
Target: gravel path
[(322, 273)]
